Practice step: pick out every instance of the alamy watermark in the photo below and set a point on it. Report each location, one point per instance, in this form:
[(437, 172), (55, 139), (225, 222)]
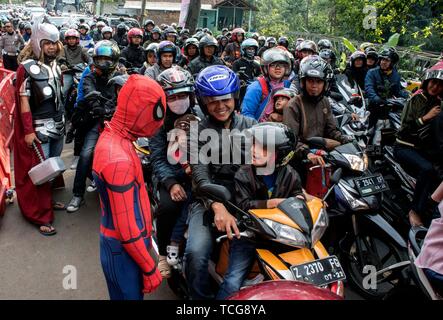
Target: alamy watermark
[(219, 147), (370, 20), (70, 280)]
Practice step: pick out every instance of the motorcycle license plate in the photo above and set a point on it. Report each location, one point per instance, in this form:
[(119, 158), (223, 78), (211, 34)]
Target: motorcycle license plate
[(319, 272), (370, 185)]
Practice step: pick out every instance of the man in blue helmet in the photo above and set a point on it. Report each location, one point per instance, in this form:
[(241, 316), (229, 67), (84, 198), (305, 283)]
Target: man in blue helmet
[(216, 89)]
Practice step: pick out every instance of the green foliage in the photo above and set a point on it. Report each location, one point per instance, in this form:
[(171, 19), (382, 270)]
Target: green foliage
[(418, 22), (393, 40), (348, 44)]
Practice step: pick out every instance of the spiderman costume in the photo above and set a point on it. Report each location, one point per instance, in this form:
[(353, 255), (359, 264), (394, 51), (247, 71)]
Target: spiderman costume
[(126, 253)]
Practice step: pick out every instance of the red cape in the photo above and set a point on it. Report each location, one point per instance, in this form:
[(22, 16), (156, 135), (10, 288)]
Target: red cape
[(35, 202)]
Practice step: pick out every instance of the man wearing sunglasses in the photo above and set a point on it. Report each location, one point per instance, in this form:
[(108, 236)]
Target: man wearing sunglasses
[(11, 43)]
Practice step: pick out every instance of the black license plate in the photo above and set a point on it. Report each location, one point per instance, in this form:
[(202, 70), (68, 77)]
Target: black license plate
[(319, 272), (370, 185)]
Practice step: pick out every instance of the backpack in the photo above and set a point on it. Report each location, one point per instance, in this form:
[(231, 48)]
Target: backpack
[(264, 88)]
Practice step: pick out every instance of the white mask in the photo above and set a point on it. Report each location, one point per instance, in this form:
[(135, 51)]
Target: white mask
[(179, 106)]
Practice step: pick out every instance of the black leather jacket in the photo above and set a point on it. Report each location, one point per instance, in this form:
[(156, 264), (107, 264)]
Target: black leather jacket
[(251, 191), (222, 174), (135, 56)]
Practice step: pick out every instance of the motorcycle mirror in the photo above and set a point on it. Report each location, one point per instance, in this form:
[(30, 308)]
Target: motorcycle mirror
[(215, 192), (336, 176)]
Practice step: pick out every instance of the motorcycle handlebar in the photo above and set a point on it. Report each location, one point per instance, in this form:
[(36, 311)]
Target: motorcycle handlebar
[(246, 234)]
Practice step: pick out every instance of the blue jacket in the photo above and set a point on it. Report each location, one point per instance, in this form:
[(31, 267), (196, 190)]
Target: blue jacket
[(86, 42), (252, 105), (80, 93), (375, 88)]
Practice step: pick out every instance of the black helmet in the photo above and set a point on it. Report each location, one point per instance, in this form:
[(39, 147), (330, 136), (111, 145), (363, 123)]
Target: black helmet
[(106, 48), (324, 44), (156, 30), (371, 53), (391, 54), (358, 55), (152, 47), (198, 35), (275, 55), (170, 30), (270, 40), (308, 45), (207, 41), (176, 80), (328, 54), (316, 67), (283, 41), (188, 42), (149, 21), (121, 28), (185, 32), (118, 81), (277, 136)]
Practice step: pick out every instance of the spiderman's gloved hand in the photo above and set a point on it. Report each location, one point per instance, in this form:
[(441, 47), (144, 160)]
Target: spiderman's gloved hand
[(151, 282)]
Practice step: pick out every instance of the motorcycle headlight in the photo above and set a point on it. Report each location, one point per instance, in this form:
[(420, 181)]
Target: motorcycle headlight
[(320, 226), (354, 203), (357, 163), (287, 235)]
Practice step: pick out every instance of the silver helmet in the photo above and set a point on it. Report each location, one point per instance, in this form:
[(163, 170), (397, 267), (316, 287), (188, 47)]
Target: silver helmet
[(42, 31)]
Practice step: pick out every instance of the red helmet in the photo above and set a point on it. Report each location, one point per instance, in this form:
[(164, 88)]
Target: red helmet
[(235, 32), (134, 32), (72, 33), (435, 72)]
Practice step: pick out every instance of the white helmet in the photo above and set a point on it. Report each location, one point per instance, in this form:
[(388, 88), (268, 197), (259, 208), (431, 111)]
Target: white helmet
[(42, 31), (106, 29)]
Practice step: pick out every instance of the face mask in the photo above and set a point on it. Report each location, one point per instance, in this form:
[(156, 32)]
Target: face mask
[(179, 106)]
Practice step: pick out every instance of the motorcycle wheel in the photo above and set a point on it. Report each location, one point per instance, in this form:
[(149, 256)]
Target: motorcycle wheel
[(378, 252)]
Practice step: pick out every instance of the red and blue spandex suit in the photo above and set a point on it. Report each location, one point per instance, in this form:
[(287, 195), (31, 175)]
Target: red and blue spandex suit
[(126, 253)]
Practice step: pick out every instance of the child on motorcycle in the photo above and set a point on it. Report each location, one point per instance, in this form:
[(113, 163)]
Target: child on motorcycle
[(411, 149), (281, 99), (270, 179), (180, 145), (174, 184)]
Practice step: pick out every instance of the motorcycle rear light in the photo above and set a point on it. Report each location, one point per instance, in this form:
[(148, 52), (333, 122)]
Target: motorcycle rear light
[(337, 288)]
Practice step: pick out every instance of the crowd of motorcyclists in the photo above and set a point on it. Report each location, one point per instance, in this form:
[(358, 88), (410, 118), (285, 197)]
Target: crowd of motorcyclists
[(237, 80)]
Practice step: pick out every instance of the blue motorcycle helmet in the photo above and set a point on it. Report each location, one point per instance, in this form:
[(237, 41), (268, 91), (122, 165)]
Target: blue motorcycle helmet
[(216, 83)]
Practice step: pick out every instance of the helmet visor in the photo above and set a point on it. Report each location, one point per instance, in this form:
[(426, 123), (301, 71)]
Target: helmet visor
[(103, 51), (207, 100), (179, 90)]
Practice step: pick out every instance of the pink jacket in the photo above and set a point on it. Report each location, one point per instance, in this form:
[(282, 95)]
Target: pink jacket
[(431, 255)]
